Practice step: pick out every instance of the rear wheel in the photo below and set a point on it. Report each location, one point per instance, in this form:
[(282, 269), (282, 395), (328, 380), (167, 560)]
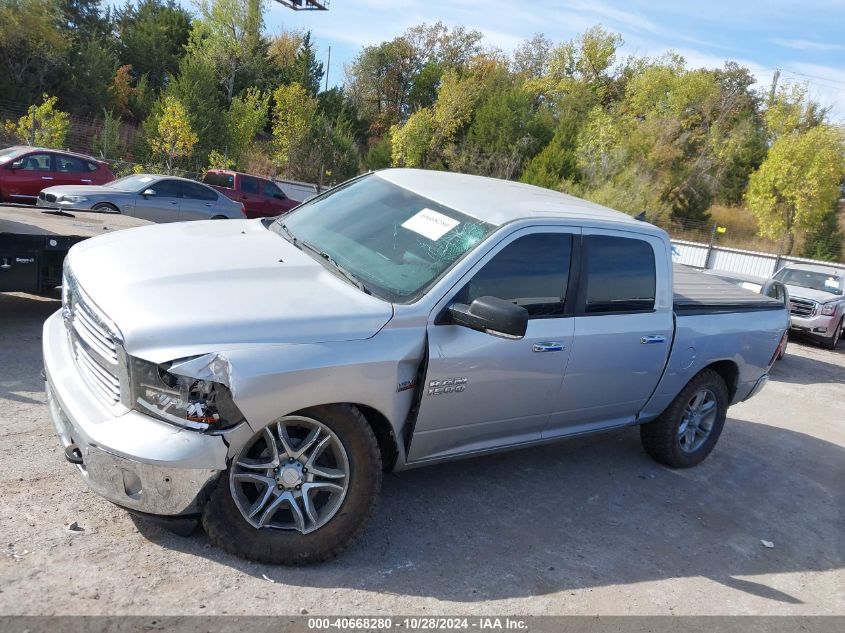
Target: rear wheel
[(105, 207), (688, 430), (300, 491)]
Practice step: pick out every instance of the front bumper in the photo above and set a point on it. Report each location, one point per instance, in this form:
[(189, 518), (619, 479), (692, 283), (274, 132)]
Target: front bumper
[(817, 325), (130, 459), (70, 206)]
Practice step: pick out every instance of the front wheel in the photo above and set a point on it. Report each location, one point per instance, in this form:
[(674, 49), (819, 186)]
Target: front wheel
[(685, 433), (300, 491), (833, 340), (105, 207)]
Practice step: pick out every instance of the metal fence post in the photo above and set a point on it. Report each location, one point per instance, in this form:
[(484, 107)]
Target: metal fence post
[(710, 247)]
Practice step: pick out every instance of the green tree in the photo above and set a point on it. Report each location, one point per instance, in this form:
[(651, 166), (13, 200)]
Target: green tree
[(33, 49), (108, 143), (798, 185), (152, 35), (43, 125), (246, 118), (557, 161), (227, 34), (307, 71), (293, 112), (173, 138)]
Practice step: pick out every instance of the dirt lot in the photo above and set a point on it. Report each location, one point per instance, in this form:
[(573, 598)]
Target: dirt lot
[(591, 526)]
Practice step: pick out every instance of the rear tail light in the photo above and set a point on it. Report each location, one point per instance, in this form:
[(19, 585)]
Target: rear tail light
[(779, 349)]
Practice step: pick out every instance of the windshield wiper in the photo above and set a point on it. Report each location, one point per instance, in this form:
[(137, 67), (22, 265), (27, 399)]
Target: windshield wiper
[(331, 260), (283, 228)]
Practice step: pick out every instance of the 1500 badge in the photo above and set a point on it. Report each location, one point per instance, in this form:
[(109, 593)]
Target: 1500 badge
[(447, 385)]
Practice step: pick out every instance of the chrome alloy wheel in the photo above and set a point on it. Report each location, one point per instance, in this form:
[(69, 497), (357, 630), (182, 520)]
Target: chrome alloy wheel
[(292, 476), (697, 421)]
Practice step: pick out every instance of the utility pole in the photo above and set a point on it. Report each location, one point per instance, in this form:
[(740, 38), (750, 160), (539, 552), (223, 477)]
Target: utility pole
[(328, 67), (774, 86)]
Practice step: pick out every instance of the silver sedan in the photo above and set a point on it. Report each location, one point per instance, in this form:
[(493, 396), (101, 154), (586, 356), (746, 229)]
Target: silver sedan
[(146, 196)]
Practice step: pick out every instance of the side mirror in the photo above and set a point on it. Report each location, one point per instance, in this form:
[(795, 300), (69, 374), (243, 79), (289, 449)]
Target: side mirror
[(280, 196), (18, 164), (148, 192), (491, 315)]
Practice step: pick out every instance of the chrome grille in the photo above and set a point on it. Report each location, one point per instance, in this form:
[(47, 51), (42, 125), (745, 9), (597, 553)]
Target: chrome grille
[(96, 347), (802, 307)]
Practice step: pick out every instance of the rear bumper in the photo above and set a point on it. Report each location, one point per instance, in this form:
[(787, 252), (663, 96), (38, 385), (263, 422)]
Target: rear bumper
[(131, 459)]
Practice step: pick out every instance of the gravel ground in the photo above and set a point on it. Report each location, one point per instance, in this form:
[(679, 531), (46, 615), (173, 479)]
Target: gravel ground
[(590, 526)]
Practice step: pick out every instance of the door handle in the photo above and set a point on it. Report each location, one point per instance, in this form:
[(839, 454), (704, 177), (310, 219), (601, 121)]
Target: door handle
[(652, 338), (46, 178), (174, 202), (208, 204), (88, 180), (548, 347)]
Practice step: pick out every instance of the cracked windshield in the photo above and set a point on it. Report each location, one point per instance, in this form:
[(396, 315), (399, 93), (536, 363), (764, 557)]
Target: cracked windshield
[(394, 242)]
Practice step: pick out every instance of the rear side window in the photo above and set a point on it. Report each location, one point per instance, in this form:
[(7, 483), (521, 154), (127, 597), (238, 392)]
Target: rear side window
[(92, 166), (196, 191), (620, 274), (249, 185), (219, 180), (67, 164), (532, 272), (272, 190)]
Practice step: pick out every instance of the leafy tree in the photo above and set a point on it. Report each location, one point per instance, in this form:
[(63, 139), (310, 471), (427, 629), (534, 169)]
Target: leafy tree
[(308, 72), (216, 160), (825, 240), (246, 118), (152, 35), (798, 185), (531, 59), (294, 110), (43, 125), (228, 36), (173, 138), (557, 161), (32, 48), (90, 77), (108, 143)]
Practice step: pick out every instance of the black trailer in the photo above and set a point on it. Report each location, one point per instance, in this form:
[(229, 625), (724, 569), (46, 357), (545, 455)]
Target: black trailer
[(34, 242)]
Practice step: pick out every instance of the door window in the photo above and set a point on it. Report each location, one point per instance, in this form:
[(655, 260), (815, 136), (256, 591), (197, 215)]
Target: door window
[(36, 162), (272, 191), (68, 164), (532, 272), (219, 180), (196, 191), (249, 185), (167, 189), (620, 274)]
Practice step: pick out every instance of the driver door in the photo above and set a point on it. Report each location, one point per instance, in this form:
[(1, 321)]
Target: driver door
[(484, 391), (164, 205)]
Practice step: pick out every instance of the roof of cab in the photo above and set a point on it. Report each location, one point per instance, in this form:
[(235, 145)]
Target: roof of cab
[(833, 269), (499, 201)]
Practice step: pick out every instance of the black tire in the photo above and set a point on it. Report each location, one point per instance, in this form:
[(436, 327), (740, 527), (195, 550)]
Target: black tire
[(227, 528), (660, 437), (105, 207), (833, 340)]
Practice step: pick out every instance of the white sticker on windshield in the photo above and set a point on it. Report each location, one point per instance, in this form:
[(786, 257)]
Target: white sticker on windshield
[(145, 179), (832, 282), (430, 224)]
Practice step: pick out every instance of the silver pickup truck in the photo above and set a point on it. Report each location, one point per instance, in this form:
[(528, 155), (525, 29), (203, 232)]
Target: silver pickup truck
[(262, 374)]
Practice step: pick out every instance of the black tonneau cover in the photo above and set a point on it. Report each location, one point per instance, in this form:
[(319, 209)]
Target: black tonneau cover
[(698, 293)]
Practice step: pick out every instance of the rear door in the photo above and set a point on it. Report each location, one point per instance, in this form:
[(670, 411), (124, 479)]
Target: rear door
[(197, 202), (70, 170), (482, 390), (34, 174), (623, 332), (164, 205), (275, 199)]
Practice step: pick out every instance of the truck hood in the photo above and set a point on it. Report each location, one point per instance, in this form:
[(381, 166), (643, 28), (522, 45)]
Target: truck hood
[(799, 292), (189, 288)]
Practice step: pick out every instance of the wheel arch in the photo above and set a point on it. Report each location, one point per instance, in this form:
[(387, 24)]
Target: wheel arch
[(383, 431), (112, 205), (729, 371)]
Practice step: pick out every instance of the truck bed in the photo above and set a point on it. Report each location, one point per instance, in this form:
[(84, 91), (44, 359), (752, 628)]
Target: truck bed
[(30, 221), (34, 242), (698, 293)]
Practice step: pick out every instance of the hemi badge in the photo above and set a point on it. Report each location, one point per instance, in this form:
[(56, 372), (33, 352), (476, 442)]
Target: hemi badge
[(405, 385)]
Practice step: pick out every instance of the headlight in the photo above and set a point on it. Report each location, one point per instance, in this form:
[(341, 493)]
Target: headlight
[(73, 199), (828, 309), (202, 405)]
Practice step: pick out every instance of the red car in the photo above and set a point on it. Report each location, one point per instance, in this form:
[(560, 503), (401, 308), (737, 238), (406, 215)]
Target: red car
[(25, 171), (261, 197)]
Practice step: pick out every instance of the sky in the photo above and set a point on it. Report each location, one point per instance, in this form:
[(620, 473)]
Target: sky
[(803, 39)]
